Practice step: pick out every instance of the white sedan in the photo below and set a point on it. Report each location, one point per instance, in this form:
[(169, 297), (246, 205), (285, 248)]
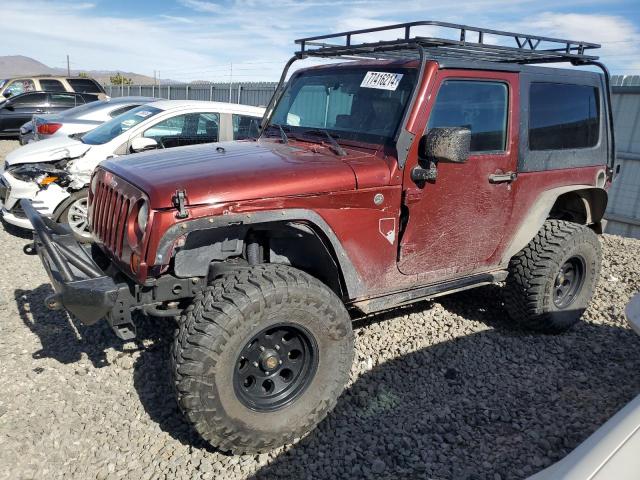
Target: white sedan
[(54, 173)]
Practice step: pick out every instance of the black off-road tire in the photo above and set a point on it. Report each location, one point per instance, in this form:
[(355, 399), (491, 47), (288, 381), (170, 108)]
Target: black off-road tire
[(217, 327), (533, 275)]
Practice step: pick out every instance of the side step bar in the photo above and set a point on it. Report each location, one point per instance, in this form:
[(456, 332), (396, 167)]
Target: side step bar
[(428, 292)]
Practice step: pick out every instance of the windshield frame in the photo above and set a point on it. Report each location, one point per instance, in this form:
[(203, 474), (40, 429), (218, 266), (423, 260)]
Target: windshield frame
[(115, 121), (360, 138)]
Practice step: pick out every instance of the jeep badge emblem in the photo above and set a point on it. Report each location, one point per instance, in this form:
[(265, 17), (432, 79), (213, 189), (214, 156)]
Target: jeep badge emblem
[(378, 198)]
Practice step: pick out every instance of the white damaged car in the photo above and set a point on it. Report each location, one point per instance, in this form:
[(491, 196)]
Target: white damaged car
[(55, 173)]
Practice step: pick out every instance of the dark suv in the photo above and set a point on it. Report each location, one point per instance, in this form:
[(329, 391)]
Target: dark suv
[(18, 110), (431, 166)]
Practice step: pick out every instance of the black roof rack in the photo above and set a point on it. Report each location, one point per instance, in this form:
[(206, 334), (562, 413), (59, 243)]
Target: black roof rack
[(470, 43)]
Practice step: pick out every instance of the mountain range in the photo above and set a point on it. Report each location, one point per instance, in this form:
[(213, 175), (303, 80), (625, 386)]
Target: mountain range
[(20, 65)]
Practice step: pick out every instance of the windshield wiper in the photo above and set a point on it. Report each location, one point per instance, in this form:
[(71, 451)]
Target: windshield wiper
[(334, 146)]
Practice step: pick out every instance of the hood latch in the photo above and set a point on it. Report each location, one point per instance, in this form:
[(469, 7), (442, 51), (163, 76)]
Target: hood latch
[(178, 202)]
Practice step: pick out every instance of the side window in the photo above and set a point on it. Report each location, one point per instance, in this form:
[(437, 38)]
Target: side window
[(121, 110), (84, 85), (62, 100), (477, 105), (20, 86), (51, 85), (208, 127), (245, 127), (563, 116), (170, 127), (31, 100)]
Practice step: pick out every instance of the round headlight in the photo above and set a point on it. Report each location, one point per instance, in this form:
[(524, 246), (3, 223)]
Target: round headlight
[(143, 215), (94, 184)]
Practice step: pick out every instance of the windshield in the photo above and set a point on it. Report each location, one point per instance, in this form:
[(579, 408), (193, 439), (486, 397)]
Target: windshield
[(362, 104), (114, 127)]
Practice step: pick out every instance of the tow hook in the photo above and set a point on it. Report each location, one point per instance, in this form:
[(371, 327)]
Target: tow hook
[(30, 249), (53, 302)]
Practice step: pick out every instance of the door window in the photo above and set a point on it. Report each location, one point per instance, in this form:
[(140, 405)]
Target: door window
[(51, 85), (477, 105), (62, 100), (31, 100), (187, 129), (20, 86), (563, 116), (245, 127)]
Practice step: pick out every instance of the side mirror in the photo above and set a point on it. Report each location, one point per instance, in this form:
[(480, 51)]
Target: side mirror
[(7, 93), (447, 144), (142, 144), (442, 144), (9, 106)]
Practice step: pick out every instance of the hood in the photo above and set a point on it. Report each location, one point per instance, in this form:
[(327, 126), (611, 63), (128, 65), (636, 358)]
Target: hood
[(238, 171), (49, 150)]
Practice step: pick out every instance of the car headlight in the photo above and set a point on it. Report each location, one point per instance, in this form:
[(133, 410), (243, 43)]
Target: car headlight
[(143, 215)]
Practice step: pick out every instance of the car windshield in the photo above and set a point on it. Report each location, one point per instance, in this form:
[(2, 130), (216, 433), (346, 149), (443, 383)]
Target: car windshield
[(114, 127), (361, 104)]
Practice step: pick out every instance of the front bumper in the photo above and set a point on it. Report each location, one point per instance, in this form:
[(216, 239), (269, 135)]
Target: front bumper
[(81, 286), (91, 292)]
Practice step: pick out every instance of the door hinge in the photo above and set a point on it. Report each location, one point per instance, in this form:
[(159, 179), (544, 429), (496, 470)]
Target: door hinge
[(179, 201)]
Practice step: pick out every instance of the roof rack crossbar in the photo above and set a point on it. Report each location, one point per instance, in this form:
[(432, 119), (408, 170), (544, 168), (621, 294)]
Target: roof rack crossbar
[(527, 49)]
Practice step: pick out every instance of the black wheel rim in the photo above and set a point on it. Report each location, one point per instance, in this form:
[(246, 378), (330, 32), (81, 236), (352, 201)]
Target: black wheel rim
[(275, 366), (568, 282)]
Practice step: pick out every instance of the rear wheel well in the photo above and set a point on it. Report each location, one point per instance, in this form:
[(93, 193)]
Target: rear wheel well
[(584, 206)]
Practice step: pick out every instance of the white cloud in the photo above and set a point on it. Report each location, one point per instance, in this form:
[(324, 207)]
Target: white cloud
[(198, 39)]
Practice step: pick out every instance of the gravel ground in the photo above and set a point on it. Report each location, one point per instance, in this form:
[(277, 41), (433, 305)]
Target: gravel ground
[(441, 390)]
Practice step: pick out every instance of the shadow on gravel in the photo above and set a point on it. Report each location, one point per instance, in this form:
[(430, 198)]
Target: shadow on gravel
[(63, 338), (500, 403)]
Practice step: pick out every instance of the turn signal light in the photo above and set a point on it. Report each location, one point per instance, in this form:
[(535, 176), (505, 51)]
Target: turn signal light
[(134, 263), (49, 128)]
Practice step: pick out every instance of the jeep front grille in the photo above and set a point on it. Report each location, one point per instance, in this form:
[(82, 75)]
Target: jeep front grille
[(110, 209)]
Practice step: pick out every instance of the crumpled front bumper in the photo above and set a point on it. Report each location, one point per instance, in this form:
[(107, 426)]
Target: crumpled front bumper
[(81, 286)]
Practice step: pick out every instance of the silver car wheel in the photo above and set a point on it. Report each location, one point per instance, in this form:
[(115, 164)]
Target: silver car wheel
[(77, 217)]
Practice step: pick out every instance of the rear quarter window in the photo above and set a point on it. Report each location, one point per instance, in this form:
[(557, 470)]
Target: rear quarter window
[(51, 85), (563, 116), (85, 85)]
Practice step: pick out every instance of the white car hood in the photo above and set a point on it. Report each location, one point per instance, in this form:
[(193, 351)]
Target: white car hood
[(49, 150)]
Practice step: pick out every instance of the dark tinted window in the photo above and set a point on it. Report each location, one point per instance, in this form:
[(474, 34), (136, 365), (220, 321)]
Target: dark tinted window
[(85, 85), (62, 100), (479, 106), (51, 86), (31, 100), (563, 116), (245, 127)]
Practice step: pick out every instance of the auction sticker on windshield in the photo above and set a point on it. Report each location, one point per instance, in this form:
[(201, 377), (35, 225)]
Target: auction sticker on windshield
[(145, 113), (381, 80)]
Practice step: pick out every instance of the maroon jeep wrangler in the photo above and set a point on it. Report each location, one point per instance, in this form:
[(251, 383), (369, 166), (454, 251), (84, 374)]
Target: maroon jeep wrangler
[(418, 167)]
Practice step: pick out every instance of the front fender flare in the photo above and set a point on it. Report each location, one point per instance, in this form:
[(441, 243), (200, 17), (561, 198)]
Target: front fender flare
[(350, 275)]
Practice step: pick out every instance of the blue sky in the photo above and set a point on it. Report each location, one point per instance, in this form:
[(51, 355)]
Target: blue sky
[(199, 39)]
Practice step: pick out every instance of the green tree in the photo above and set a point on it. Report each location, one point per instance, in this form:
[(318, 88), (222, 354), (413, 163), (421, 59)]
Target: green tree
[(118, 79), (83, 75)]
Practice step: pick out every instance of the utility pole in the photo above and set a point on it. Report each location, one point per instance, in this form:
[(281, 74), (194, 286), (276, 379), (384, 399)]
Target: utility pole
[(68, 67)]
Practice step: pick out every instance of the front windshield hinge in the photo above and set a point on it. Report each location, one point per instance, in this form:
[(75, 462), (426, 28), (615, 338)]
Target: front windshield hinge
[(178, 201)]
